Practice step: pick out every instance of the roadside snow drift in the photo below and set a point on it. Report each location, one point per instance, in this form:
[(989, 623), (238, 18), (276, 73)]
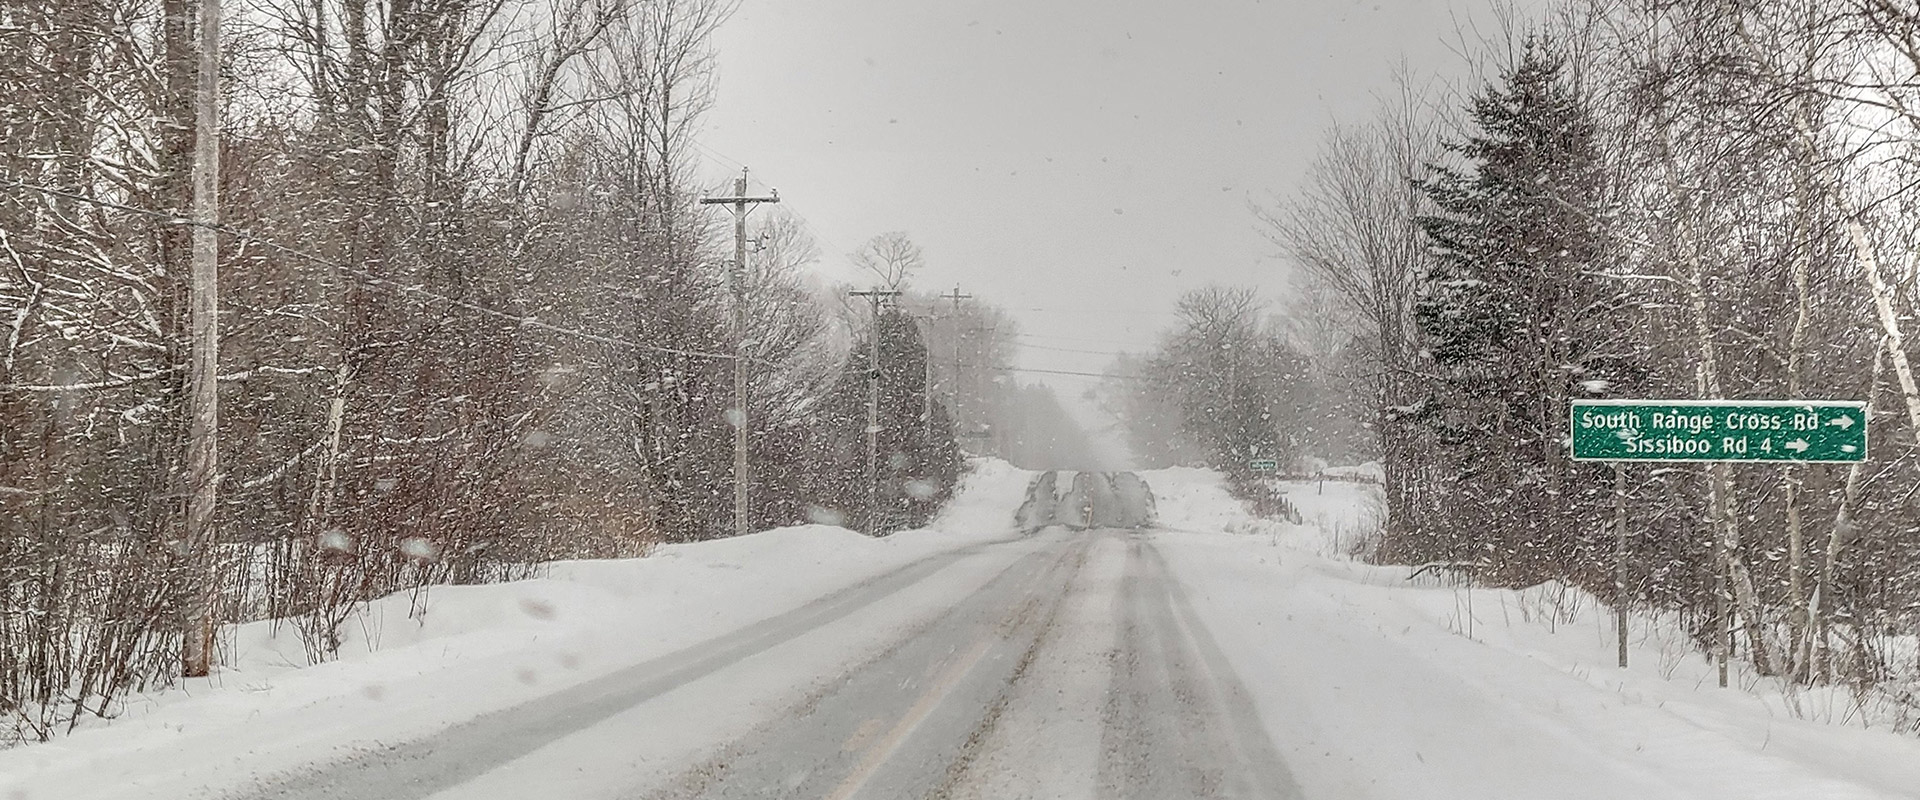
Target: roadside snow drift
[(1375, 687), (476, 649)]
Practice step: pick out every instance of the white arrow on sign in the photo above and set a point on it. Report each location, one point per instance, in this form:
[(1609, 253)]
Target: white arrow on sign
[(1843, 421), (1798, 445)]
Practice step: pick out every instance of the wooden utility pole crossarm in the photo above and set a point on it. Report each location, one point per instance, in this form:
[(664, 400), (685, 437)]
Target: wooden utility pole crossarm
[(737, 278)]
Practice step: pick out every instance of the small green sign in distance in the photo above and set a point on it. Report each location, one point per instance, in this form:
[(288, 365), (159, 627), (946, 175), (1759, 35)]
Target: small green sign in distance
[(1264, 465), (1719, 430)]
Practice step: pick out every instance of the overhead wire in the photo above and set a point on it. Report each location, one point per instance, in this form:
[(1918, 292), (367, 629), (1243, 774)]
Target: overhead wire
[(1058, 336), (420, 293), (787, 206), (1102, 376), (1074, 350), (812, 230), (1102, 310), (1055, 372)]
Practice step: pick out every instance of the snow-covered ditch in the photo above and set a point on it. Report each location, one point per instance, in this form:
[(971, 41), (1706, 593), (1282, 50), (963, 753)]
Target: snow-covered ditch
[(1376, 686), (475, 649)]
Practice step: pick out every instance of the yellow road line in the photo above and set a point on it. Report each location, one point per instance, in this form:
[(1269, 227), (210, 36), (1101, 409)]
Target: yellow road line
[(878, 753)]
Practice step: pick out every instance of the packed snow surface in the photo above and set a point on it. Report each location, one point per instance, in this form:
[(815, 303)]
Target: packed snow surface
[(1368, 681)]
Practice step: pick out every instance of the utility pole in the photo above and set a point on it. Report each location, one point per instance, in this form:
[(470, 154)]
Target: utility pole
[(875, 296), (956, 297), (203, 396), (989, 437), (926, 379), (738, 280)]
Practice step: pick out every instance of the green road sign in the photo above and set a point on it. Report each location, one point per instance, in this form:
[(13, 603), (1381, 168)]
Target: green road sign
[(1264, 465), (1719, 430)]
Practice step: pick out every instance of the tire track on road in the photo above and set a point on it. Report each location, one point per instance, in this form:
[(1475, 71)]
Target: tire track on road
[(958, 771), (1259, 761), (1178, 722), (904, 723)]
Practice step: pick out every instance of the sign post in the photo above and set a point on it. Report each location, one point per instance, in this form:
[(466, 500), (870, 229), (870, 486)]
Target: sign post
[(1772, 431), (1620, 557)]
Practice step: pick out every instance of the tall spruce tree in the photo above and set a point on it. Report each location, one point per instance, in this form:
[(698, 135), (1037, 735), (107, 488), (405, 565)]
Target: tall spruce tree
[(1516, 318)]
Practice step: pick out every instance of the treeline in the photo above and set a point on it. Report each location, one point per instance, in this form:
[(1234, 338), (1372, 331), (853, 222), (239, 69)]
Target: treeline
[(1034, 430), (1658, 200), (1231, 384), (473, 318), (973, 347)]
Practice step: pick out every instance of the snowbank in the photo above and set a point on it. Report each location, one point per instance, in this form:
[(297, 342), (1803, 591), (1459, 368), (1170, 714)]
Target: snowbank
[(1379, 688), (1196, 499), (1370, 471), (476, 649)]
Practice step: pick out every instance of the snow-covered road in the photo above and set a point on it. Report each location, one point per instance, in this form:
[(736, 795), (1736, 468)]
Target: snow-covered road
[(1219, 656), (1064, 665)]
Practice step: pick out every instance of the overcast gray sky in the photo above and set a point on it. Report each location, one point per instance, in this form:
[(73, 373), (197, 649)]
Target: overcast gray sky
[(1078, 162)]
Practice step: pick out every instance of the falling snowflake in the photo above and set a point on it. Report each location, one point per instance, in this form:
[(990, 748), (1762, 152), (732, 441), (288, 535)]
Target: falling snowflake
[(821, 515), (419, 549), (336, 540)]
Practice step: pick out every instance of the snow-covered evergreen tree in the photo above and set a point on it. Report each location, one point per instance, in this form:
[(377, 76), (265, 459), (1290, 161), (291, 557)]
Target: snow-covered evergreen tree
[(1513, 312), (917, 461)]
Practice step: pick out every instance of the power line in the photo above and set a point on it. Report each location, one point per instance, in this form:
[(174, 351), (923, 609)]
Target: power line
[(1134, 312), (1072, 350), (370, 279), (842, 253), (1025, 335), (1079, 374), (716, 155), (1051, 372), (1081, 338)]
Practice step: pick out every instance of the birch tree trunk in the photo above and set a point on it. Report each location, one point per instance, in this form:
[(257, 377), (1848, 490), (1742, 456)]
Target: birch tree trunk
[(1812, 646), (1889, 321), (1729, 565), (1797, 620)]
